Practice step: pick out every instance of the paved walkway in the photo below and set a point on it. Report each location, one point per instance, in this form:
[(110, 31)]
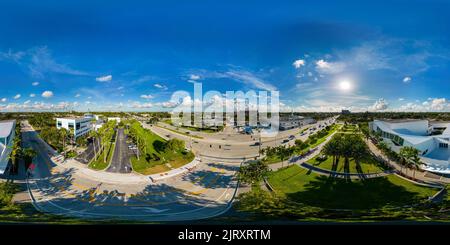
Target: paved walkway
[(299, 160), (302, 162), (345, 175), (423, 176)]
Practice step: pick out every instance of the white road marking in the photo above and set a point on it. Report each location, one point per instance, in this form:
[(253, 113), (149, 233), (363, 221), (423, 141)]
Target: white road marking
[(152, 210)]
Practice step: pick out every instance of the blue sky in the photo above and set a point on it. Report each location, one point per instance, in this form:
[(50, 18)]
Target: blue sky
[(320, 55)]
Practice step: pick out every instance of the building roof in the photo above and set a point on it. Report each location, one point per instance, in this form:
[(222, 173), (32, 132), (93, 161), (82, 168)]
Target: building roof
[(6, 127), (73, 118), (406, 120)]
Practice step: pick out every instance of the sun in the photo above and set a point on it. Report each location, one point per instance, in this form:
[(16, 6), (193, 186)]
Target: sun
[(345, 85)]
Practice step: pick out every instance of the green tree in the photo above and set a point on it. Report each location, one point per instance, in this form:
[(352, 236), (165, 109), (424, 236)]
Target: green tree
[(63, 133), (332, 148), (253, 172), (28, 155), (94, 134)]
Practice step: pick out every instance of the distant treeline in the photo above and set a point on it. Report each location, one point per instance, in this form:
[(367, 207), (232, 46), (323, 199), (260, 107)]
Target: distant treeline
[(370, 116)]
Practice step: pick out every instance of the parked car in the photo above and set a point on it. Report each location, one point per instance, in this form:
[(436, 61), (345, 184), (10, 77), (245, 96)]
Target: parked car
[(291, 137)]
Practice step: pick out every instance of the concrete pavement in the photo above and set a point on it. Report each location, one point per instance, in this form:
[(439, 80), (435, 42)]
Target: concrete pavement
[(69, 188), (237, 146)]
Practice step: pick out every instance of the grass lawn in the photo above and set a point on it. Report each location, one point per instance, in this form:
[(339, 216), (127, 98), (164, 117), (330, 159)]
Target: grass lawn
[(368, 165), (321, 140), (99, 163), (298, 185), (276, 158), (155, 160)]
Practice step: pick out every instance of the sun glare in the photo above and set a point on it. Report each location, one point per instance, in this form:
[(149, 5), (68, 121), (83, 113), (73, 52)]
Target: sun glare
[(345, 85)]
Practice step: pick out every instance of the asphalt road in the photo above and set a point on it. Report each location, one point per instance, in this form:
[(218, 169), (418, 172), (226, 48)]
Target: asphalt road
[(120, 162), (88, 154), (234, 146), (66, 189)]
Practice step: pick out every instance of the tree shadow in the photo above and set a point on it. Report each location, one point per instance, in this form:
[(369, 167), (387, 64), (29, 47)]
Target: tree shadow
[(208, 179), (159, 146), (335, 193), (116, 205), (227, 167), (57, 182)]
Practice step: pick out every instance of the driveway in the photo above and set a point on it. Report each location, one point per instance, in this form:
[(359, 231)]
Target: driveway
[(120, 162)]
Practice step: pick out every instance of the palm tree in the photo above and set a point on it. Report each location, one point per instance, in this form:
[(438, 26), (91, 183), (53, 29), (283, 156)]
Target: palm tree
[(409, 156), (415, 161), (346, 150), (94, 134), (359, 152), (332, 148), (63, 135), (15, 152), (28, 155), (72, 135), (404, 155), (281, 152)]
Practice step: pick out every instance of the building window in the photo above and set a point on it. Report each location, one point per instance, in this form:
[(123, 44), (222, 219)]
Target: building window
[(59, 124)]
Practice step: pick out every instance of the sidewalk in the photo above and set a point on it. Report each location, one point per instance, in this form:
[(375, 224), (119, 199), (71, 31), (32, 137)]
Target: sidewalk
[(300, 161), (424, 176)]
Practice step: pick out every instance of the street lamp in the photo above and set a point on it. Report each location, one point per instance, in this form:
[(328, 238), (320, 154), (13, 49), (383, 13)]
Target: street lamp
[(259, 151)]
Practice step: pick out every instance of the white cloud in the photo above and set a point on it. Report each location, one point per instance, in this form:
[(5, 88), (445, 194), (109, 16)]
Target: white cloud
[(167, 104), (17, 96), (439, 104), (298, 63), (432, 104), (147, 96), (32, 95), (27, 102), (329, 67), (35, 83), (47, 94), (10, 55), (379, 105), (4, 100), (160, 86), (77, 95), (41, 62), (249, 79), (138, 105), (194, 77), (401, 99), (103, 79), (407, 79)]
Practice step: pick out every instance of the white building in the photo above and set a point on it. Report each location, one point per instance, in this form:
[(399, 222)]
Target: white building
[(117, 119), (79, 125), (430, 138), (292, 121), (7, 133), (92, 116)]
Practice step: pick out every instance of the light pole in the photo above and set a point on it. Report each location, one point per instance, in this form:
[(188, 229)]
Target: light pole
[(259, 151)]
